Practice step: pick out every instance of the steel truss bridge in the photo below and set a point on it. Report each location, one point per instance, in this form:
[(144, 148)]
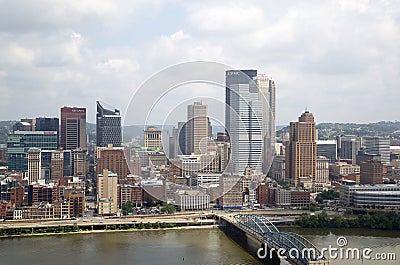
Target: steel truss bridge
[(293, 244)]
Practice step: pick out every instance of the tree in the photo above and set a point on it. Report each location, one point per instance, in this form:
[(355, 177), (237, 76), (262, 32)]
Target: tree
[(127, 208)]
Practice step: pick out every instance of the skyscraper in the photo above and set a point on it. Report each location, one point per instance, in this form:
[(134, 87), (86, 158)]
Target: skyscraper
[(198, 128), (249, 119), (378, 146), (19, 142), (301, 151), (328, 149), (48, 124), (34, 165), (348, 146), (108, 125), (113, 159), (73, 128)]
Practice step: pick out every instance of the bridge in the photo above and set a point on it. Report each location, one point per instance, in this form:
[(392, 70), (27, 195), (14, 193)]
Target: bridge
[(293, 247)]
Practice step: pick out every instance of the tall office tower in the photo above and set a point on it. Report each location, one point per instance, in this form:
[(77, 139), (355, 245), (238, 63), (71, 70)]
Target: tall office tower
[(197, 128), (48, 124), (379, 146), (107, 192), (267, 88), (46, 164), (108, 125), (322, 170), (34, 165), (152, 138), (301, 152), (181, 142), (57, 164), (68, 163), (249, 119), (328, 149), (371, 172), (19, 142), (80, 167), (348, 146), (73, 128), (113, 159)]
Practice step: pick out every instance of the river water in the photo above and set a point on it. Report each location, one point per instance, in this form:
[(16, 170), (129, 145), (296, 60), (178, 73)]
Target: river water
[(197, 246)]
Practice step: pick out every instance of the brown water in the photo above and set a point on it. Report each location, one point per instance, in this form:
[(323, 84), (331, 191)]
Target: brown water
[(197, 246)]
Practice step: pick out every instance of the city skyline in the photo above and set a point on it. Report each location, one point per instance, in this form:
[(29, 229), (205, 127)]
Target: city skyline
[(82, 53)]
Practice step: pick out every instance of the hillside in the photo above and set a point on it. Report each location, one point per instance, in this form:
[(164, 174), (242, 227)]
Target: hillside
[(331, 130)]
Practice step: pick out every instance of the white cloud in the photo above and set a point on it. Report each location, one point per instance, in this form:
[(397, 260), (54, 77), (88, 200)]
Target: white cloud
[(336, 57)]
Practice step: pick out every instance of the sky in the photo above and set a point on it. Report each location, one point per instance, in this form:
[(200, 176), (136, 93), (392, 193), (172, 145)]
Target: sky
[(338, 59)]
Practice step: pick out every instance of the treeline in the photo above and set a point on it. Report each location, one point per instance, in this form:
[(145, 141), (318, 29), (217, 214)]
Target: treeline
[(374, 220), (327, 195), (75, 228)]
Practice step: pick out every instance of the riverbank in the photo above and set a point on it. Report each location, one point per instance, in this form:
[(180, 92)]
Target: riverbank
[(110, 231)]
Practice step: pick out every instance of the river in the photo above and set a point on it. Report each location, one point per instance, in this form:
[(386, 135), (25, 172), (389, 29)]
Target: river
[(196, 246)]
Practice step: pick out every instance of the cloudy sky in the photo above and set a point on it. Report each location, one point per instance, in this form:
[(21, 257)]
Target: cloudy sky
[(340, 59)]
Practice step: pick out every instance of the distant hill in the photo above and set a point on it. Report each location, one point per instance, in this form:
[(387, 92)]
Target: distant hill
[(331, 130)]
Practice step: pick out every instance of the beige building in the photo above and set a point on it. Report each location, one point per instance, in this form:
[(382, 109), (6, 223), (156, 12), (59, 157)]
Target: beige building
[(34, 165), (192, 164), (107, 192), (80, 163), (301, 153), (198, 128), (152, 138), (343, 169), (322, 175), (57, 164)]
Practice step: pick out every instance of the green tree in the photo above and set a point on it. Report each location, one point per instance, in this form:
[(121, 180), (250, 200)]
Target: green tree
[(127, 208)]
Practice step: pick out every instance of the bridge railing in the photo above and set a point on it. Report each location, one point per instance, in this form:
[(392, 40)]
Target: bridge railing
[(261, 227)]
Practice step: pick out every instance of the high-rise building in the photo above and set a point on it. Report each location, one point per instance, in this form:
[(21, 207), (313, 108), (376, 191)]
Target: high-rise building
[(80, 162), (181, 141), (371, 172), (48, 124), (152, 138), (322, 170), (348, 146), (19, 142), (267, 88), (378, 146), (68, 163), (328, 149), (108, 125), (301, 152), (34, 165), (197, 128), (73, 128), (107, 192), (57, 164), (113, 159), (249, 115)]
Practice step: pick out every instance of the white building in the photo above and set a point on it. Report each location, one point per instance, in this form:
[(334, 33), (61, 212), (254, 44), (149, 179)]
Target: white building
[(192, 200)]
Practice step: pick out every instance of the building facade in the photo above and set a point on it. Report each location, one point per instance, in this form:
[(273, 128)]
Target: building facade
[(379, 146), (73, 128), (249, 119), (301, 152), (19, 142), (108, 126)]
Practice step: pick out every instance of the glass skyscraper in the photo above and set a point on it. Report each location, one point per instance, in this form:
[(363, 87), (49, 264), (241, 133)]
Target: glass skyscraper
[(108, 125), (19, 142), (249, 119)]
